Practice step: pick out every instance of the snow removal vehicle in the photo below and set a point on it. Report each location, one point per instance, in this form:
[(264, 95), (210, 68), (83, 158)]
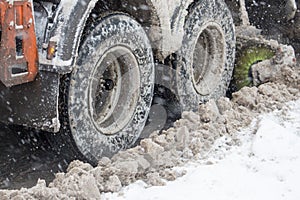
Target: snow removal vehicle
[(86, 69)]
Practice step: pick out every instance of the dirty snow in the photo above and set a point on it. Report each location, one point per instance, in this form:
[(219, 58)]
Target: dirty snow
[(265, 166)]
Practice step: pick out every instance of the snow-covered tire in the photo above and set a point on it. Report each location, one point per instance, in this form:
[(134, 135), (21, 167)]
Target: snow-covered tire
[(111, 87), (206, 58)]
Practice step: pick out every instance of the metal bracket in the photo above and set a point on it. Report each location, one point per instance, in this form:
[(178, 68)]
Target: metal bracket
[(18, 49)]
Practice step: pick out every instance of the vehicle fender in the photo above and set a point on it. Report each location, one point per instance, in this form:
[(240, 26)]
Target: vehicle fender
[(69, 24), (72, 16)]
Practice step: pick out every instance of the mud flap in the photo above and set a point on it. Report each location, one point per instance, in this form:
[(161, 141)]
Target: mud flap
[(33, 104)]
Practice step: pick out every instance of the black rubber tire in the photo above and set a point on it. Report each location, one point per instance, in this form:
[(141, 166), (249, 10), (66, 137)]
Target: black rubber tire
[(115, 31), (206, 21)]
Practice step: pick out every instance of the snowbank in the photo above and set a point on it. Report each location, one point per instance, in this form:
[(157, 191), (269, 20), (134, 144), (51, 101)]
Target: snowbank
[(265, 166)]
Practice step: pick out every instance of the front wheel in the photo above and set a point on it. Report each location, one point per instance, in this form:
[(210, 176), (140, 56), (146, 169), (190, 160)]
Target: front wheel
[(111, 87)]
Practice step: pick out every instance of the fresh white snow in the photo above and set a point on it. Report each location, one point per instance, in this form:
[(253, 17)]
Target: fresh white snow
[(265, 166)]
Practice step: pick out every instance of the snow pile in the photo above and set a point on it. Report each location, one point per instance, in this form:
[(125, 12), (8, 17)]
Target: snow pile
[(191, 138), (264, 167)]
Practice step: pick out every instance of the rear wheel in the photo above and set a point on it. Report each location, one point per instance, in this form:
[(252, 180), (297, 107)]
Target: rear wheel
[(206, 58), (111, 87)]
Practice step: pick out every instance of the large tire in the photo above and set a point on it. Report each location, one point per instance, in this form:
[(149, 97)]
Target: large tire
[(206, 58), (111, 87)]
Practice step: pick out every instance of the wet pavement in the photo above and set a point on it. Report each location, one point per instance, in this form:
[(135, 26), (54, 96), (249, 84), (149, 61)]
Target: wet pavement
[(25, 157)]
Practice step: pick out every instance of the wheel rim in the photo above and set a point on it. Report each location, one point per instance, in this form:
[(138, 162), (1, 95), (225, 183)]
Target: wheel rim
[(114, 90), (208, 59)]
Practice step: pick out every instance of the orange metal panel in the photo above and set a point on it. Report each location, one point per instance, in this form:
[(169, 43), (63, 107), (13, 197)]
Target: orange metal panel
[(18, 49)]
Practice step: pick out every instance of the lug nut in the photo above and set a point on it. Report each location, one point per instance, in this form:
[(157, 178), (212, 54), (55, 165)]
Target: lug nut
[(108, 84)]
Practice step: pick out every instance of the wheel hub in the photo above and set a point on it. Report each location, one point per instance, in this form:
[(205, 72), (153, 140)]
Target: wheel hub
[(114, 90), (208, 59)]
